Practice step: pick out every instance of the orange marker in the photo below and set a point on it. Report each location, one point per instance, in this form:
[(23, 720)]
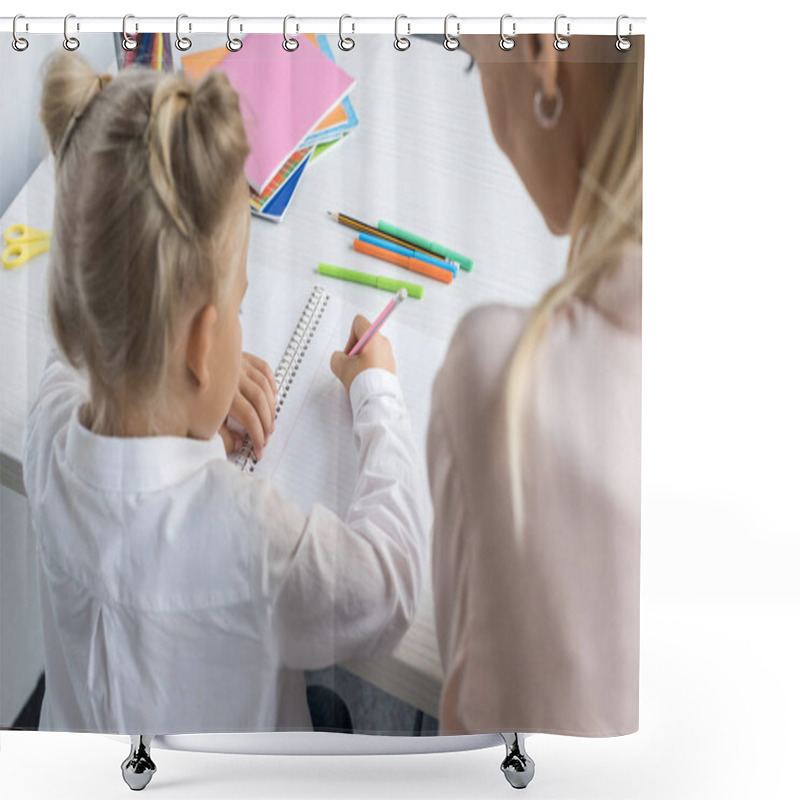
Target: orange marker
[(414, 264)]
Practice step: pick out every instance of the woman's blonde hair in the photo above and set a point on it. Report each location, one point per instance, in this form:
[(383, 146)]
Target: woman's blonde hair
[(147, 167), (606, 218)]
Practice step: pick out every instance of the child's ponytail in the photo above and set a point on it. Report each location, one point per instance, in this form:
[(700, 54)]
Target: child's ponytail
[(147, 170), (190, 126), (70, 87)]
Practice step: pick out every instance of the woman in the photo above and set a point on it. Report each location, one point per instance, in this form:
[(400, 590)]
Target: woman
[(534, 444)]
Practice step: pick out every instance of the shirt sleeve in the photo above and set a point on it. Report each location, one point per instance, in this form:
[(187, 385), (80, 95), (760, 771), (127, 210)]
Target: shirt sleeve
[(338, 589), (61, 390)]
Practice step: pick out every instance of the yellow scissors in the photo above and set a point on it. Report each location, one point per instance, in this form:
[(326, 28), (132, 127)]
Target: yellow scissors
[(23, 244)]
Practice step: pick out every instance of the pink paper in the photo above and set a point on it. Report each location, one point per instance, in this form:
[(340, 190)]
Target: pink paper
[(283, 96)]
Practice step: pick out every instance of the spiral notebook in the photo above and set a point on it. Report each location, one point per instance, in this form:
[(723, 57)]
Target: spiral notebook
[(288, 368), (311, 457)]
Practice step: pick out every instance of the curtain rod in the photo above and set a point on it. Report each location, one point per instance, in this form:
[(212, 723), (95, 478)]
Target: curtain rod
[(351, 25)]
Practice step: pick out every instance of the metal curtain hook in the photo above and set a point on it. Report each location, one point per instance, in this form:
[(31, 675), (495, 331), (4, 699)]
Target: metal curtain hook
[(18, 42), (400, 42), (233, 44), (128, 42), (623, 44), (70, 42), (290, 44), (451, 42), (560, 43), (183, 43), (345, 42), (507, 42)]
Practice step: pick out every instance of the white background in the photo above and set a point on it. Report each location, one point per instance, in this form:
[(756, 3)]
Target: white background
[(720, 550)]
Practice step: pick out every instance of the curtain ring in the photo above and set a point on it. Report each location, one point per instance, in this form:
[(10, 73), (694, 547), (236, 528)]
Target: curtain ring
[(451, 42), (183, 43), (623, 44), (345, 42), (506, 42), (128, 42), (18, 43), (233, 44), (289, 43), (70, 42), (560, 43), (400, 42)]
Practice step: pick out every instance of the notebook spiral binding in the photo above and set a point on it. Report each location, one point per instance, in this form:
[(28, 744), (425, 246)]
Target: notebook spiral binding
[(290, 362)]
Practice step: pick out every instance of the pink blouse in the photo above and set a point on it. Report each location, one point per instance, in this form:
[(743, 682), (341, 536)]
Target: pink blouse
[(541, 636)]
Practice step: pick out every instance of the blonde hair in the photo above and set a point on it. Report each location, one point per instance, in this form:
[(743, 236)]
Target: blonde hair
[(606, 218), (147, 167)]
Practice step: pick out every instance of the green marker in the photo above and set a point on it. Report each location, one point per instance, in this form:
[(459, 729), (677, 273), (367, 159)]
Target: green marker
[(444, 252), (378, 281)]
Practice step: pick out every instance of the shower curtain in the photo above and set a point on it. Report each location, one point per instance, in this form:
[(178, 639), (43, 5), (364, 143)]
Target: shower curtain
[(450, 549)]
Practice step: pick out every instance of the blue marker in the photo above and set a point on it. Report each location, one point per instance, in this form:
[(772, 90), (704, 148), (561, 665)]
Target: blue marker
[(405, 251)]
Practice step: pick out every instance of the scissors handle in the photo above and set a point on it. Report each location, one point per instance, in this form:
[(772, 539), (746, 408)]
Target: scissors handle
[(15, 255), (22, 234)]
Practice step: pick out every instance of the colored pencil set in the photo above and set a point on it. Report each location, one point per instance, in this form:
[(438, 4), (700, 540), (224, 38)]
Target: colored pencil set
[(402, 248), (153, 51)]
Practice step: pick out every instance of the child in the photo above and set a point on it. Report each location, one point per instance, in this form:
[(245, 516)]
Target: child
[(178, 594)]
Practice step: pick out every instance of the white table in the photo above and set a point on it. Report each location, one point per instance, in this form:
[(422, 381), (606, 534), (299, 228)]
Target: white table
[(422, 157)]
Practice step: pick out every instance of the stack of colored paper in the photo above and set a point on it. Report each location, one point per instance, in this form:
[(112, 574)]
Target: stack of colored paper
[(295, 106)]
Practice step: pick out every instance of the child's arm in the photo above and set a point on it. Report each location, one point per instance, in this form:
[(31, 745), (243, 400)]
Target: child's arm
[(341, 589)]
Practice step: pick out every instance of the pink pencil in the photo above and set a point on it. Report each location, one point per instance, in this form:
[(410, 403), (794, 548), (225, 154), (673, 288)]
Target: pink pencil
[(376, 326)]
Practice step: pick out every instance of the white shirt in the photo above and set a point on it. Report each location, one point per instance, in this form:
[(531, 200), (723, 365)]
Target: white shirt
[(180, 595)]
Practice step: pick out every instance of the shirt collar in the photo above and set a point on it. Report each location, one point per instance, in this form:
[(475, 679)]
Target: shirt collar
[(136, 464)]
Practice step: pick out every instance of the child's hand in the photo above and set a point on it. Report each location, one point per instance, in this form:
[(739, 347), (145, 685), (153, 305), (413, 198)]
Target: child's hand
[(253, 405), (378, 353)]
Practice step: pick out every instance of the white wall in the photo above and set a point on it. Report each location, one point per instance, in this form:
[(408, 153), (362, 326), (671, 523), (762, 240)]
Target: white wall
[(20, 88)]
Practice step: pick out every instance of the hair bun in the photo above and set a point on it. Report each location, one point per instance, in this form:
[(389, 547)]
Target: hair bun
[(195, 135), (171, 95), (170, 101), (70, 85)]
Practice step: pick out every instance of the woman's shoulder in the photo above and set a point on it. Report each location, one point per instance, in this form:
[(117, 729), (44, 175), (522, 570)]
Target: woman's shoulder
[(472, 372), (617, 297), (485, 319), (482, 342), (487, 336)]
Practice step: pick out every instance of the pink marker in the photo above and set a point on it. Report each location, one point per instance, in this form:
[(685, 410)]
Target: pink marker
[(376, 326)]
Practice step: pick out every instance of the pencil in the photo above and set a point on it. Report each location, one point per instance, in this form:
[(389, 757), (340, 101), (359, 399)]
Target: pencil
[(376, 326), (357, 225)]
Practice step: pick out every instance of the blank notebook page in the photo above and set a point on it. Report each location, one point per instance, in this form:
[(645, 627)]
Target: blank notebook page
[(311, 457), (282, 97)]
